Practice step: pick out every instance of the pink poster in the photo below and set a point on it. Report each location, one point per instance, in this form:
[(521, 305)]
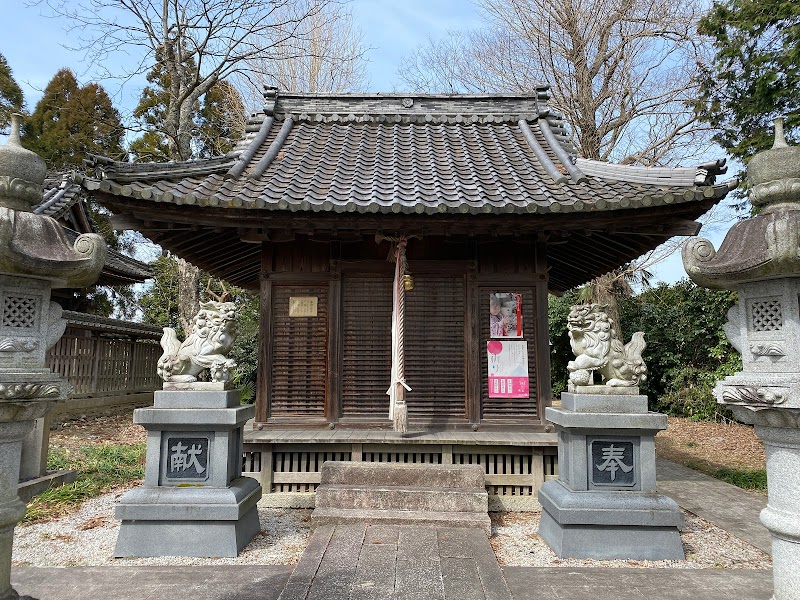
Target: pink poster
[(508, 369)]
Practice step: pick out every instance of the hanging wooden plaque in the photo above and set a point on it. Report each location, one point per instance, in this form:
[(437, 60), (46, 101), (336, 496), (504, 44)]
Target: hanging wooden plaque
[(302, 306)]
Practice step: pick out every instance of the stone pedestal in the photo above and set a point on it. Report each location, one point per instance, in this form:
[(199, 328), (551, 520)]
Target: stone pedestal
[(29, 324), (194, 501), (604, 505), (12, 509)]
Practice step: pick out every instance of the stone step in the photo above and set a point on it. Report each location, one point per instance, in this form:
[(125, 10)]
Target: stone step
[(402, 474), (346, 516), (403, 498)]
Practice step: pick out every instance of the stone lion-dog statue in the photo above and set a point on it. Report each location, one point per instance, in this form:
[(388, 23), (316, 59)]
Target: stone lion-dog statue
[(597, 347), (206, 347)]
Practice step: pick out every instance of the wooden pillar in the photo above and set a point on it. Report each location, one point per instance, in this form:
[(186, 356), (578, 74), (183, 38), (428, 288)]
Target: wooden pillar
[(543, 383), (472, 356), (447, 454), (333, 398), (129, 380), (357, 452), (266, 476), (264, 349), (264, 370), (537, 469)]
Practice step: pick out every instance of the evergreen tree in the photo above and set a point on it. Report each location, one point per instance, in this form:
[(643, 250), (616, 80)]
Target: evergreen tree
[(221, 120), (71, 121), (11, 99), (755, 74), (218, 123), (218, 119)]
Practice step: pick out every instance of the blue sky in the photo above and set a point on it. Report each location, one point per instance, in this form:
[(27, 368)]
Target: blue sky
[(33, 46)]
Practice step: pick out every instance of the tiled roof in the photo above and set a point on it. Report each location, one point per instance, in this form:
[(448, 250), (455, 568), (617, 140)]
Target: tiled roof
[(59, 196), (407, 154), (115, 326)]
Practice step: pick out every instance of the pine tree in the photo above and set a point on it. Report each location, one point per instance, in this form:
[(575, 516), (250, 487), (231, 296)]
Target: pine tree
[(11, 98), (755, 74), (71, 121)]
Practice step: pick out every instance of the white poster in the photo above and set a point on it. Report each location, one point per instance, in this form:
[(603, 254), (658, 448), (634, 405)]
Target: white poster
[(508, 369)]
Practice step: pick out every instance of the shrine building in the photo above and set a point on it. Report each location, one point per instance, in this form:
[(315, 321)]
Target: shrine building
[(495, 210)]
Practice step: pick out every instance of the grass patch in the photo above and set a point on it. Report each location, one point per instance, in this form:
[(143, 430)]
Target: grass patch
[(743, 478), (748, 479), (100, 468)]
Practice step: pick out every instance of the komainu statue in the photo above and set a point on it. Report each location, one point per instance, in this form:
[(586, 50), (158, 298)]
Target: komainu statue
[(596, 346), (207, 347)]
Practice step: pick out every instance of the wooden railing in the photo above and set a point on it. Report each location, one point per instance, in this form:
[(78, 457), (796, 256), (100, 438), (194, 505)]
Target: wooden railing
[(104, 357)]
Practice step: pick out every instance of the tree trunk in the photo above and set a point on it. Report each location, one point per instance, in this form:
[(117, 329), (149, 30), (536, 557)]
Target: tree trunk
[(603, 293), (188, 294)]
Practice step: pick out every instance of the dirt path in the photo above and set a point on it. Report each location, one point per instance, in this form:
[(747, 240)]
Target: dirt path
[(117, 429)]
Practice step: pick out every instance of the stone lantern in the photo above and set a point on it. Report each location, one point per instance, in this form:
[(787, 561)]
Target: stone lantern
[(760, 259), (35, 257)]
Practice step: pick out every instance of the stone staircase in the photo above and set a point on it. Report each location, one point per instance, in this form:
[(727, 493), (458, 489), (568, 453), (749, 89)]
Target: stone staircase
[(402, 494)]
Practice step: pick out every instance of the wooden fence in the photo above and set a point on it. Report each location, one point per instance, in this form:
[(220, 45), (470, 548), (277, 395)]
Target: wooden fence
[(106, 357)]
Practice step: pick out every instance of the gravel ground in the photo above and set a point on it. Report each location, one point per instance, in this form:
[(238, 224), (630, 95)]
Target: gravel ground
[(516, 542), (87, 538)]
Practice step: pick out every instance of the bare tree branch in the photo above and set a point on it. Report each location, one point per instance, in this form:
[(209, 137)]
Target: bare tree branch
[(619, 70), (328, 55), (200, 42)]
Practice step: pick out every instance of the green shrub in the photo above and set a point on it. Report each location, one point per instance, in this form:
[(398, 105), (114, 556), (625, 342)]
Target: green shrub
[(558, 308), (689, 395), (687, 350)]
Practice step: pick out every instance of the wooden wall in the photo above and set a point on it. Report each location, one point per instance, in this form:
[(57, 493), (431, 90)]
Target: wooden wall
[(333, 368)]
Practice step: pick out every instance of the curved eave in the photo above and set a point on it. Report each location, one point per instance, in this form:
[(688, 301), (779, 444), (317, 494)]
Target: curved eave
[(653, 198), (580, 246)]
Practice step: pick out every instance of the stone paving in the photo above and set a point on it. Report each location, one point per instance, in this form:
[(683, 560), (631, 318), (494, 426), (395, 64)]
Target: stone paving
[(731, 508), (637, 584), (152, 583), (359, 562), (363, 562)]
